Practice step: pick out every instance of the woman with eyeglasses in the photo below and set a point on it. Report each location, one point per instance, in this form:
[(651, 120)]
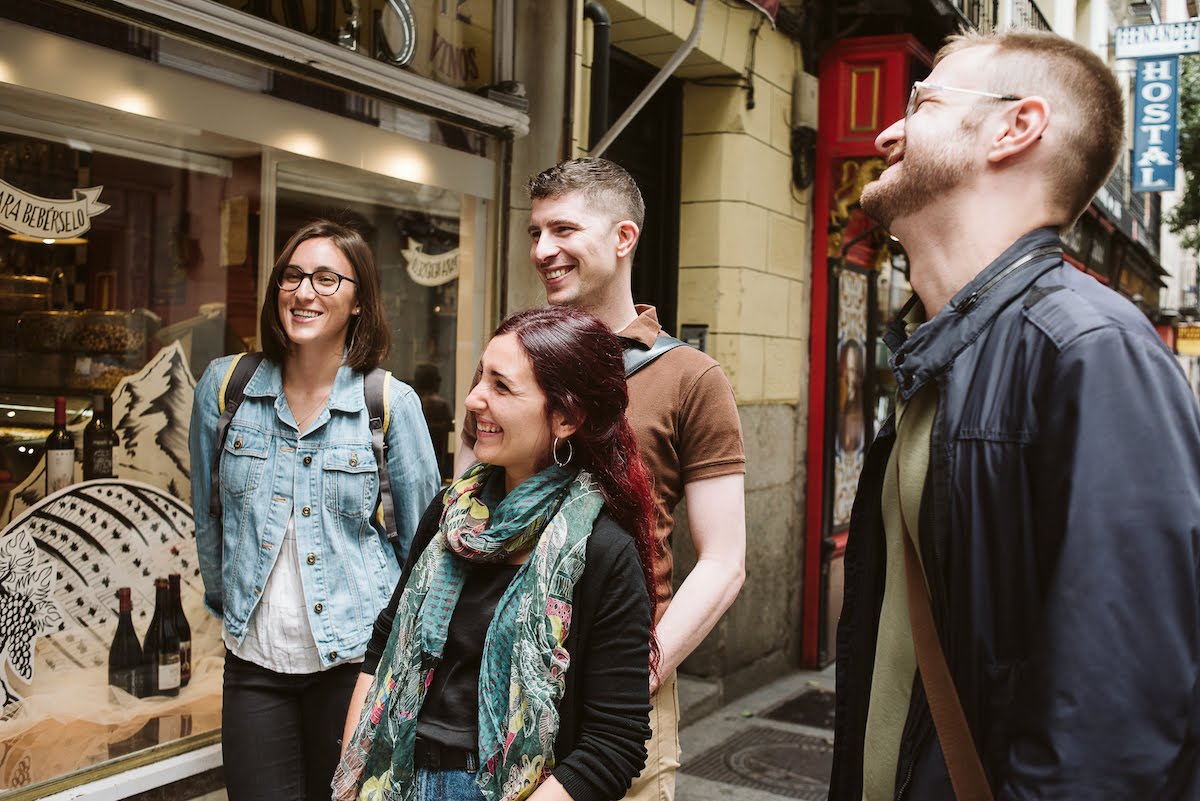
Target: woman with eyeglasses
[(297, 565), (514, 660)]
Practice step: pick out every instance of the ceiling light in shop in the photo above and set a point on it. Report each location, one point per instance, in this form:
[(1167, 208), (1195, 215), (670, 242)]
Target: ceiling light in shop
[(303, 143), (406, 168), (134, 103), (70, 240)]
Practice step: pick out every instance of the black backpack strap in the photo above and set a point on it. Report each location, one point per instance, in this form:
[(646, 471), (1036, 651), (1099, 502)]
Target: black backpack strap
[(229, 397), (638, 355), (377, 386)]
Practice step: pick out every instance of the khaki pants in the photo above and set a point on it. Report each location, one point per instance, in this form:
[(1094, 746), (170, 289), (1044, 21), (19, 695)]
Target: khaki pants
[(657, 782)]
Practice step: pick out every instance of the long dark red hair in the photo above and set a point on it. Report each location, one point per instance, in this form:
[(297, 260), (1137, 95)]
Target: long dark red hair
[(580, 366)]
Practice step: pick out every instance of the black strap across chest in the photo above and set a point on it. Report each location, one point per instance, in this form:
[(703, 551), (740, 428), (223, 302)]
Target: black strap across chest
[(638, 355)]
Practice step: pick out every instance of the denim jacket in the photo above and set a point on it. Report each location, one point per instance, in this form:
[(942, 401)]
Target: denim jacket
[(327, 478)]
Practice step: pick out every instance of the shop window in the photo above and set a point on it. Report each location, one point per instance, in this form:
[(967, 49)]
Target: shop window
[(167, 275), (118, 299), (417, 236), (448, 41)]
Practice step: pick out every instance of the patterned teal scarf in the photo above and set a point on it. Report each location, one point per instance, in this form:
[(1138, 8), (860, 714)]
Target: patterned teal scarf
[(523, 671)]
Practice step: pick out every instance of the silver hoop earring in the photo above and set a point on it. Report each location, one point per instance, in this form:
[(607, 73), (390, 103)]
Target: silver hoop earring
[(570, 453)]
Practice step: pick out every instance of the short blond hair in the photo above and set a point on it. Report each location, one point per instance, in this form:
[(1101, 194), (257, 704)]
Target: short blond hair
[(1082, 91)]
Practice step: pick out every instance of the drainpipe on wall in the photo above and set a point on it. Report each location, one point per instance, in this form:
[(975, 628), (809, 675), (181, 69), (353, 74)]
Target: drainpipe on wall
[(598, 113), (655, 83)]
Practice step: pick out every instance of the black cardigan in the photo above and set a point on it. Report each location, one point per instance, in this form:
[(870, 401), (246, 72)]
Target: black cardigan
[(605, 709)]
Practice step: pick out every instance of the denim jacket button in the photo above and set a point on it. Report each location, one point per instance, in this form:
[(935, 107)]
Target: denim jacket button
[(318, 608), (307, 461), (312, 559), (332, 655), (306, 511), (237, 443), (354, 461)]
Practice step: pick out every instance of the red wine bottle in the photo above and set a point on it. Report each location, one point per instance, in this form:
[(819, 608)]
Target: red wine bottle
[(125, 654), (160, 652), (183, 630), (60, 450), (99, 440)]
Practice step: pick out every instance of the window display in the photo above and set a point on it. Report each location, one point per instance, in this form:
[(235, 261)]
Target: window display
[(157, 240)]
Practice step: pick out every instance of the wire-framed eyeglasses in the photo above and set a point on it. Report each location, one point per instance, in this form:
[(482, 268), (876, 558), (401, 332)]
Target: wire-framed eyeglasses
[(324, 282), (919, 85)]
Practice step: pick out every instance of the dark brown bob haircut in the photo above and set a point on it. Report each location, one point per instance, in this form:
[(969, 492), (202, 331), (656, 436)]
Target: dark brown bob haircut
[(367, 338)]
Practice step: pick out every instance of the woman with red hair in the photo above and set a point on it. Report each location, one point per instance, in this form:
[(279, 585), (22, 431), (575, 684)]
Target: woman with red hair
[(513, 660)]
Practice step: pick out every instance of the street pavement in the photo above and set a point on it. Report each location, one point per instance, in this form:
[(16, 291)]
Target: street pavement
[(738, 753)]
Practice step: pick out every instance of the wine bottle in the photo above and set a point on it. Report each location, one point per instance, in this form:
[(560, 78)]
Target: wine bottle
[(60, 450), (183, 630), (160, 653), (125, 654), (99, 440)]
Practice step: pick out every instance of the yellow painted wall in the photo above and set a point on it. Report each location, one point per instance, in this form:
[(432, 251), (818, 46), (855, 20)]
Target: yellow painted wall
[(744, 250)]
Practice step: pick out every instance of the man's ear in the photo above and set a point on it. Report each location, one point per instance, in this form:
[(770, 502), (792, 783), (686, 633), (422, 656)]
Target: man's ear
[(627, 237), (1021, 127)]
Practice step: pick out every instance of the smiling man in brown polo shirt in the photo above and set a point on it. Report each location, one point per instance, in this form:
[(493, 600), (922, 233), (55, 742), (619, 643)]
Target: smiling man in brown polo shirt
[(585, 223)]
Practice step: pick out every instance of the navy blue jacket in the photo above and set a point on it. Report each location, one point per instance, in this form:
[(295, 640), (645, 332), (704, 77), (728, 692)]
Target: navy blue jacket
[(1060, 531)]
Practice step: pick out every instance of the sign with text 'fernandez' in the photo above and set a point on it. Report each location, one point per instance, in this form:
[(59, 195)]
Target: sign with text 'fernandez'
[(1171, 39), (1155, 124)]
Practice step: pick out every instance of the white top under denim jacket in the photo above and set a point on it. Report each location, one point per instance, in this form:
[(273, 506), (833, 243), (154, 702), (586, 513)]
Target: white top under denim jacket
[(278, 636), (327, 478)]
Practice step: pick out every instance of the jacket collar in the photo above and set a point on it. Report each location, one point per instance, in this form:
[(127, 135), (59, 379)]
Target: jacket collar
[(935, 344), (346, 395)]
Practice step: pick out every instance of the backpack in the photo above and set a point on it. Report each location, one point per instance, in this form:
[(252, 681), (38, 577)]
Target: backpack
[(376, 388)]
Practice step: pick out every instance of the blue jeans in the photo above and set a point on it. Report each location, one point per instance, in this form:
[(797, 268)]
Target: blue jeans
[(447, 785)]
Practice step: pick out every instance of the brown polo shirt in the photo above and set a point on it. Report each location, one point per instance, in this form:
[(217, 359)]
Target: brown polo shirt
[(682, 410)]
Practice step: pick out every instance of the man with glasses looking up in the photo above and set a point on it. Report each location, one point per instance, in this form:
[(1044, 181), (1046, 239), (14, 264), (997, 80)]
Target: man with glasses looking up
[(1040, 481)]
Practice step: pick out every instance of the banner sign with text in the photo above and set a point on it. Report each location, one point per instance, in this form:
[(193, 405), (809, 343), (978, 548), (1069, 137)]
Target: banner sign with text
[(1187, 339), (1171, 39), (1156, 124), (49, 218), (428, 269)]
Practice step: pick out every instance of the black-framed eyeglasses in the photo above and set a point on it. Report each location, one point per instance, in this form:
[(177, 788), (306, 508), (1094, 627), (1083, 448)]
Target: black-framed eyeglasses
[(324, 282), (919, 85)]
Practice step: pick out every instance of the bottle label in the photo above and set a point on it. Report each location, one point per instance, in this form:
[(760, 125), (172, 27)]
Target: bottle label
[(185, 661), (60, 470), (168, 674), (100, 463)]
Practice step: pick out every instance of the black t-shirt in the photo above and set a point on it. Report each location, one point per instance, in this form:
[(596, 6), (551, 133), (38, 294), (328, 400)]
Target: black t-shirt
[(450, 713)]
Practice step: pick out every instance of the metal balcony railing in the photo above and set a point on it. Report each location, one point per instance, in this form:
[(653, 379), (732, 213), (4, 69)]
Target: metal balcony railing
[(1137, 215), (1026, 14), (1148, 12), (982, 14), (1154, 213)]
